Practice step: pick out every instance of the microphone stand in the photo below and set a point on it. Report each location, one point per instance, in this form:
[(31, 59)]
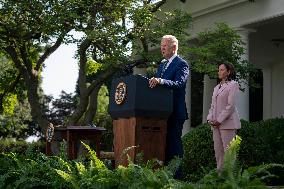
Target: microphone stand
[(128, 68)]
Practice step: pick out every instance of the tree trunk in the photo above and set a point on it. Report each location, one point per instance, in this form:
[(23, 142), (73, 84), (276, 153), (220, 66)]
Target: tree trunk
[(31, 79), (79, 111), (92, 109), (84, 95), (36, 107)]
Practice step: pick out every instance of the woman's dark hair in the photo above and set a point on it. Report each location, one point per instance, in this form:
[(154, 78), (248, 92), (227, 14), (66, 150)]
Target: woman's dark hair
[(229, 67)]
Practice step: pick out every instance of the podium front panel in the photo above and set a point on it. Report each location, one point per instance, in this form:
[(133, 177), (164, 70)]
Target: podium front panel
[(132, 97)]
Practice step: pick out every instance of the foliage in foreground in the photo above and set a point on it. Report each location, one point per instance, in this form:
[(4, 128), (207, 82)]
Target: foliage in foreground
[(57, 172)]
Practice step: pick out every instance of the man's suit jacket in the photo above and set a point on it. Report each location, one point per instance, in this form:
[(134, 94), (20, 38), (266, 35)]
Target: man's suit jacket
[(175, 77), (223, 106)]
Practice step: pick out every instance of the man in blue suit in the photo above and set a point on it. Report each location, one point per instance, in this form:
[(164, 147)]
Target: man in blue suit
[(173, 73)]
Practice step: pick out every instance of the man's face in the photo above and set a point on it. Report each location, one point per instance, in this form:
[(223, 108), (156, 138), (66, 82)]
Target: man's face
[(166, 50)]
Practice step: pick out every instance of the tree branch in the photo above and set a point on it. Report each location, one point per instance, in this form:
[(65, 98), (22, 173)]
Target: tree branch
[(144, 44), (24, 57), (50, 50), (14, 56), (83, 61), (128, 37), (101, 78), (158, 5)]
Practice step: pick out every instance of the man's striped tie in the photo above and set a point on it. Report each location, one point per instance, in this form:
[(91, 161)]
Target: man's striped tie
[(164, 67)]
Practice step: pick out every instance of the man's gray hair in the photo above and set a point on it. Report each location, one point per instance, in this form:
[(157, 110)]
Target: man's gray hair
[(173, 40)]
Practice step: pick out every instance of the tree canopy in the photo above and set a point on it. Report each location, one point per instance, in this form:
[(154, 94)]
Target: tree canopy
[(114, 33), (31, 31), (217, 45)]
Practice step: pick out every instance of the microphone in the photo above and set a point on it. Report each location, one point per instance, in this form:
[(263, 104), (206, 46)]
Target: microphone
[(128, 68)]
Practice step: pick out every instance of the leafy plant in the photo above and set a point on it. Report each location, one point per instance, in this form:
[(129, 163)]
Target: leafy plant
[(262, 143), (232, 174), (8, 145), (19, 172), (40, 171), (217, 45), (95, 173), (198, 156)]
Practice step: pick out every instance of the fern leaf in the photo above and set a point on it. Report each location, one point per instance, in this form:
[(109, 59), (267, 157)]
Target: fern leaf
[(98, 163), (66, 176), (80, 168)]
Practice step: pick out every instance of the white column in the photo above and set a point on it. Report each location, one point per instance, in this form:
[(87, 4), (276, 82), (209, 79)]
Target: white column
[(243, 98), (208, 87), (187, 123), (277, 90), (267, 92), (243, 103)]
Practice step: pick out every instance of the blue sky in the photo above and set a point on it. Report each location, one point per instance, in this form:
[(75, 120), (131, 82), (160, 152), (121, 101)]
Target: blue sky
[(61, 71)]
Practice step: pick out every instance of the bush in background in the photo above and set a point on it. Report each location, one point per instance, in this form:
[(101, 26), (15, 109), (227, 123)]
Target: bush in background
[(105, 121), (20, 146), (198, 153), (262, 143)]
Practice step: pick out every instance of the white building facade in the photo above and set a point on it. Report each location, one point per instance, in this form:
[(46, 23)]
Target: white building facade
[(261, 25)]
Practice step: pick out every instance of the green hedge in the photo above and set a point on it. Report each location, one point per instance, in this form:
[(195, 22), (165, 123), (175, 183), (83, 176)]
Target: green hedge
[(262, 143), (105, 121), (19, 146), (40, 171), (198, 153)]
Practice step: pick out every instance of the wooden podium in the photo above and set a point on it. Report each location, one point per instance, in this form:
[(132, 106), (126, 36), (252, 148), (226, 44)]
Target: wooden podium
[(139, 116)]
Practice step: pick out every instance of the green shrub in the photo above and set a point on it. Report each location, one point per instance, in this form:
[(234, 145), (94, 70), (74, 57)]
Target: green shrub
[(105, 121), (233, 175), (19, 146), (198, 153), (29, 168), (17, 171), (41, 171), (262, 143)]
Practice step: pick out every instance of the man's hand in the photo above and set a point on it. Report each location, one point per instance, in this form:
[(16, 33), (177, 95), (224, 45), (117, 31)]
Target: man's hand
[(153, 82)]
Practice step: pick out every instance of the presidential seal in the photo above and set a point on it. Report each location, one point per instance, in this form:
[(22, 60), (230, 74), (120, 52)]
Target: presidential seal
[(120, 93)]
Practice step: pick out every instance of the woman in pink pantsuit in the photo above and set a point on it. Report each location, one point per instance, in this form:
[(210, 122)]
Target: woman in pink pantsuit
[(223, 115)]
